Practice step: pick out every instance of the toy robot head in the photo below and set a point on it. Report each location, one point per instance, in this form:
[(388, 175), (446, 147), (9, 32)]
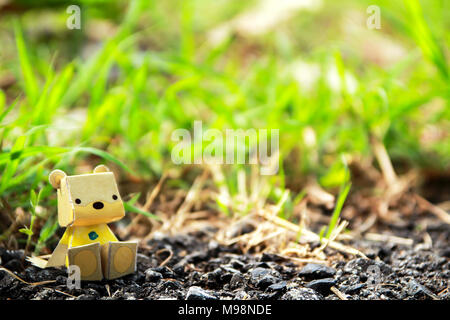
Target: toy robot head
[(87, 199)]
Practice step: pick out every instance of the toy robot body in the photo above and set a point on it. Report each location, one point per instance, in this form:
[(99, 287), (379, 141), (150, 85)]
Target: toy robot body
[(86, 203)]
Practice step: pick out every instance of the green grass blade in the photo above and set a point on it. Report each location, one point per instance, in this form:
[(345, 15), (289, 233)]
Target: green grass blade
[(425, 39), (29, 78), (103, 154), (131, 208), (338, 208)]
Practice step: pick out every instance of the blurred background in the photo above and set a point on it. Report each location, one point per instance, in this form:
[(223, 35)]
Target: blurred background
[(371, 104)]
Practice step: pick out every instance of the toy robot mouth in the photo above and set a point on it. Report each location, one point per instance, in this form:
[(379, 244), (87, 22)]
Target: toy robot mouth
[(98, 205)]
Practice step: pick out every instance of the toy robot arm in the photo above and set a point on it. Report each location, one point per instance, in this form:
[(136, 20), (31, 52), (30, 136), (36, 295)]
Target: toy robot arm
[(58, 257)]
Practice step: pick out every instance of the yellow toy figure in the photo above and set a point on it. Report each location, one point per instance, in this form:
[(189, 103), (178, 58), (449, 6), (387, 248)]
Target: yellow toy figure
[(86, 203)]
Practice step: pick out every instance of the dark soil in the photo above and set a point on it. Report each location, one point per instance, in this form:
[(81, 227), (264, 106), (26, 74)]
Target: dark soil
[(200, 268)]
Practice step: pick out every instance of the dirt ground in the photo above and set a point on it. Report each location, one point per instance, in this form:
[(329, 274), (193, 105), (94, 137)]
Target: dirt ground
[(200, 268)]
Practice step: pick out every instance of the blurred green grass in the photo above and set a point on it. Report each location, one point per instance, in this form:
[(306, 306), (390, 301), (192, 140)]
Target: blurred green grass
[(118, 87)]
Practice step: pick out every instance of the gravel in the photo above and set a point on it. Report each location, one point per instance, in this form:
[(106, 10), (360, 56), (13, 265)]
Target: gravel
[(202, 269)]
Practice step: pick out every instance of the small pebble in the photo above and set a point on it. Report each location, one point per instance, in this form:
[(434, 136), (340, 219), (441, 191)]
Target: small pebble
[(301, 294), (197, 293), (266, 281), (316, 271), (322, 285), (279, 286), (152, 276)]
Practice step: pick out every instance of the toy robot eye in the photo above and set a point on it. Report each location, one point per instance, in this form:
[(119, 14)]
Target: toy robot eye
[(77, 201), (114, 197)]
